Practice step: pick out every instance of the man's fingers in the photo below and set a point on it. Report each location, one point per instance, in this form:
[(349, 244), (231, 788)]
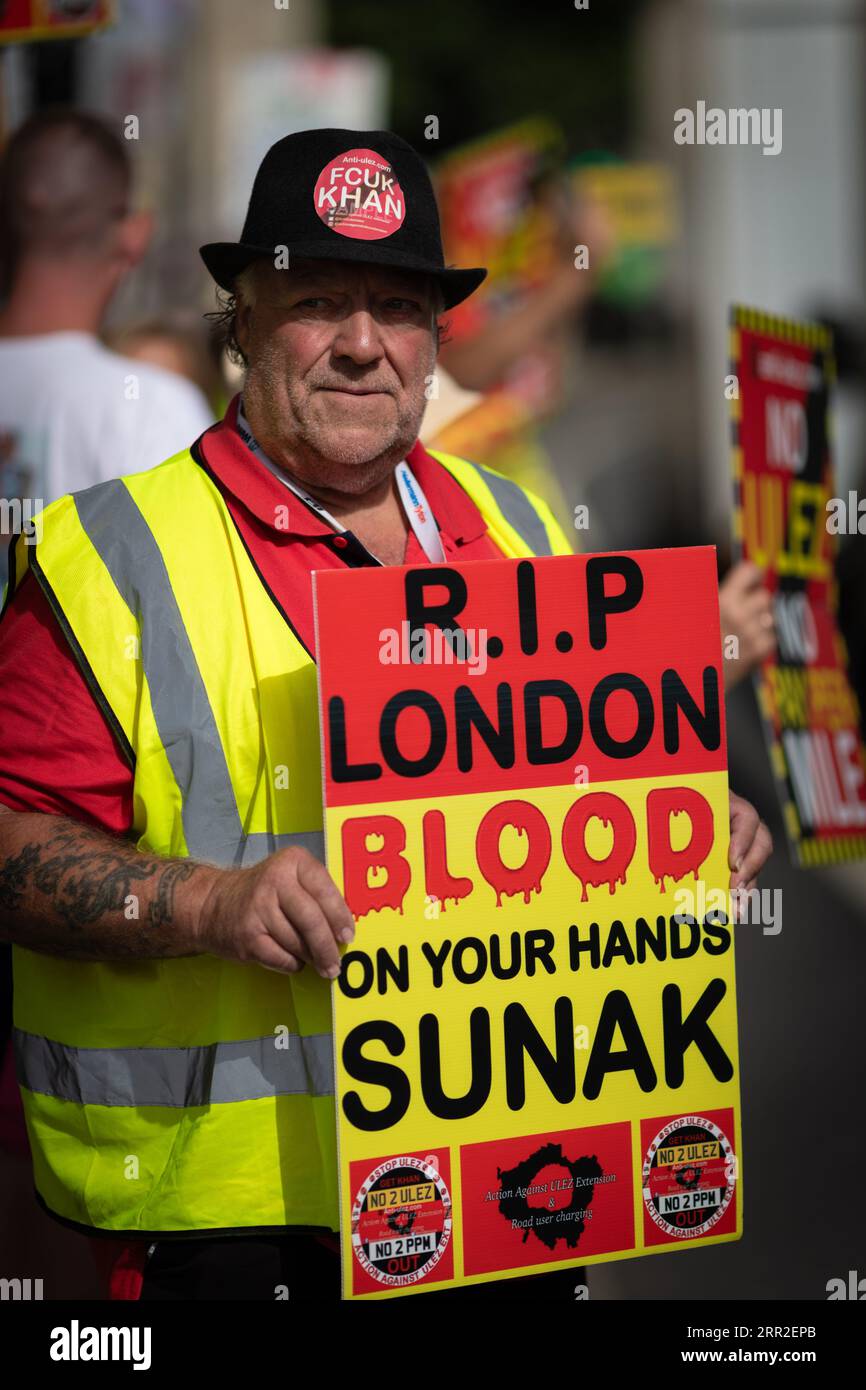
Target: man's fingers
[(744, 825), (320, 947), (744, 577), (304, 914), (758, 602), (756, 611), (760, 618), (314, 877), (760, 643), (740, 898), (279, 929), (271, 955), (756, 856)]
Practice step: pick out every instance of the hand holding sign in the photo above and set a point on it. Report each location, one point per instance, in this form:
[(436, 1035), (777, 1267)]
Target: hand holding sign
[(751, 843), (747, 616), (281, 913)]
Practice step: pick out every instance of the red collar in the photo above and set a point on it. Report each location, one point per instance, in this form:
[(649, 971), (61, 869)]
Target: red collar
[(239, 472)]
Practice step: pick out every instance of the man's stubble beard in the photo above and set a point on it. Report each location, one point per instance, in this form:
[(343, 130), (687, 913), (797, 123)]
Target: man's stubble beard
[(311, 451)]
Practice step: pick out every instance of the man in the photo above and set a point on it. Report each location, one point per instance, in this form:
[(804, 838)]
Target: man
[(179, 603), (71, 412)]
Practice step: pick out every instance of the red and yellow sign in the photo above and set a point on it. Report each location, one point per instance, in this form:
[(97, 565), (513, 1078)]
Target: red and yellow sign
[(785, 517), (495, 212), (527, 812), (23, 21), (640, 206)]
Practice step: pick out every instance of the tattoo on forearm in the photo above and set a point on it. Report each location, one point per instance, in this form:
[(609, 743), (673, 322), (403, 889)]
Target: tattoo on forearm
[(85, 883), (86, 880), (162, 904), (14, 873)]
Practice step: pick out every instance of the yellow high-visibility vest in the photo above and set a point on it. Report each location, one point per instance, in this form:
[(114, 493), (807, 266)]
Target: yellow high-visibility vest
[(193, 1093)]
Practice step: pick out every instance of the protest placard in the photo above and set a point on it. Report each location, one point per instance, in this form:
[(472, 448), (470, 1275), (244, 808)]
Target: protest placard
[(640, 204), (498, 202), (526, 808), (786, 522), (24, 21)]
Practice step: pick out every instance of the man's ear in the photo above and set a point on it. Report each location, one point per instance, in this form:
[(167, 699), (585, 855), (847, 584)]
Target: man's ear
[(134, 236), (243, 312)]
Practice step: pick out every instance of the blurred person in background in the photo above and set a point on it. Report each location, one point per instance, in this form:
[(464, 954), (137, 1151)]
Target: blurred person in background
[(180, 346), (73, 413), (507, 198)]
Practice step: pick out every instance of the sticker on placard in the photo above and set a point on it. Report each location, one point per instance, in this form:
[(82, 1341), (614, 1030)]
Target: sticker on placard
[(688, 1177), (401, 1221)]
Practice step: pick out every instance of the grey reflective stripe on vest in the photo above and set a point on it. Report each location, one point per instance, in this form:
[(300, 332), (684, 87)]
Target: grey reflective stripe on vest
[(517, 509), (255, 848), (181, 707), (217, 1074)]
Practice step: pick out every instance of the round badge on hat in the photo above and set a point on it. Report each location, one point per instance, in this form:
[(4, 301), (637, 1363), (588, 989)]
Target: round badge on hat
[(357, 195)]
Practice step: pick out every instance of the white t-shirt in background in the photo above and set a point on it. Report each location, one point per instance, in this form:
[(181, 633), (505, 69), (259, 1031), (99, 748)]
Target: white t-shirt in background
[(72, 414)]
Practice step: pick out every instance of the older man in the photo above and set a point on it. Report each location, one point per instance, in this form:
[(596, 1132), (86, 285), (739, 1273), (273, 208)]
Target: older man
[(161, 841)]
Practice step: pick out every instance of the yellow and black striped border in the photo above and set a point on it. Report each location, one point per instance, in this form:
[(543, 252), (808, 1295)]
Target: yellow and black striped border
[(832, 849), (735, 410), (800, 332)]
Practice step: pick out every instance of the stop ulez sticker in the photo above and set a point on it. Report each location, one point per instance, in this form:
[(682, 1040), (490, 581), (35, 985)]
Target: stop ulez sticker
[(357, 195), (688, 1177), (401, 1221)]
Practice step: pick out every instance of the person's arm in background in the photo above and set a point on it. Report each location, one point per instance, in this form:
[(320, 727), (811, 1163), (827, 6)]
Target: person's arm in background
[(746, 609), (480, 361)]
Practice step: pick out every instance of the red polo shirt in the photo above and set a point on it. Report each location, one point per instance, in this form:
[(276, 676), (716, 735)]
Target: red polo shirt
[(57, 753)]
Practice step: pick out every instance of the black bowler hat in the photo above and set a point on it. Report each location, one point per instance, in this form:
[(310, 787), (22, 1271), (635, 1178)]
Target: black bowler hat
[(343, 195)]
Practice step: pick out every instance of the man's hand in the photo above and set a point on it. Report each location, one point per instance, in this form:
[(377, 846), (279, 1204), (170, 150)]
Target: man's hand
[(281, 913), (751, 844), (746, 608)]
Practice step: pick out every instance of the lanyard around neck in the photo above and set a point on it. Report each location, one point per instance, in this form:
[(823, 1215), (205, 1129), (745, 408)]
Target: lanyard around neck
[(409, 490)]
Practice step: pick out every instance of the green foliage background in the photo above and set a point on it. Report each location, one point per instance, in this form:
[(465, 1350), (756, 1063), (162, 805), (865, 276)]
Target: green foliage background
[(478, 66)]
